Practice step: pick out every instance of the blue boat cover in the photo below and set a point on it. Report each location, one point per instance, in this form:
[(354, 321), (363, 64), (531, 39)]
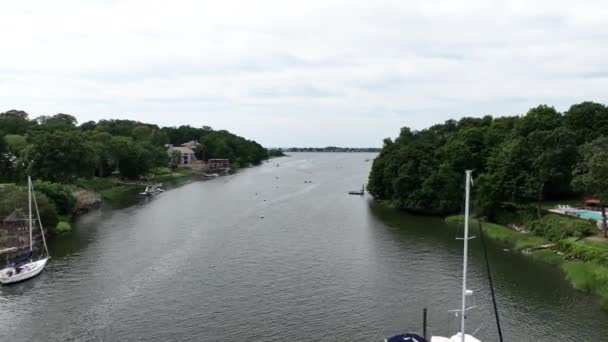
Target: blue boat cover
[(22, 261), (409, 337)]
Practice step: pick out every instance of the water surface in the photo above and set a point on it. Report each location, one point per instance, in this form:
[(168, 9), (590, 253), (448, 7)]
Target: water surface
[(199, 263)]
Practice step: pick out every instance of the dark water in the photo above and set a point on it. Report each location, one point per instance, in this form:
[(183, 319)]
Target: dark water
[(198, 263)]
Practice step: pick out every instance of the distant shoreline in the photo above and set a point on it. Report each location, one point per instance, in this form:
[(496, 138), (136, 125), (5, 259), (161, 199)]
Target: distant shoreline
[(332, 149)]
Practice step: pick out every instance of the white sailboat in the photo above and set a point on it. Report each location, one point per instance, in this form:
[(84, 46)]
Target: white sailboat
[(28, 268), (461, 336)]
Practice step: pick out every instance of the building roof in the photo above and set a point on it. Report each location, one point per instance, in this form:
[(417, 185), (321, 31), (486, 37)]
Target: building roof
[(191, 143), (183, 149), (16, 216)]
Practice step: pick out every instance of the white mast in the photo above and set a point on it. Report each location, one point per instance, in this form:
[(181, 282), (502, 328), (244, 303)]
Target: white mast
[(466, 250), (29, 204)]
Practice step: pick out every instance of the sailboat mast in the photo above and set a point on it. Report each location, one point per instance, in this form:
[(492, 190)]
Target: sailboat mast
[(29, 204), (466, 254)]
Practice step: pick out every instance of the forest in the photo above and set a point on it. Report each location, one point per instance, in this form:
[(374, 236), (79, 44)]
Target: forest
[(55, 148), (518, 161), (64, 157)]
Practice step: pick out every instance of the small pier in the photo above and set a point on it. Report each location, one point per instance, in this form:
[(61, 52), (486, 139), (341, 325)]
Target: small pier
[(358, 192)]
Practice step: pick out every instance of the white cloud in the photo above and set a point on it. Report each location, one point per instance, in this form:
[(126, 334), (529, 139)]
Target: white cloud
[(300, 73)]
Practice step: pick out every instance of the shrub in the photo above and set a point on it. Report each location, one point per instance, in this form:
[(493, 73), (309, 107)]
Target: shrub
[(585, 276), (15, 197), (94, 184), (63, 227), (555, 227), (162, 171), (60, 195), (511, 214), (583, 252)]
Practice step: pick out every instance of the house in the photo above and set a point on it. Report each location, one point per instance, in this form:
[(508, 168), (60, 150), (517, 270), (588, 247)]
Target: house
[(14, 231), (192, 144), (187, 154), (218, 164)]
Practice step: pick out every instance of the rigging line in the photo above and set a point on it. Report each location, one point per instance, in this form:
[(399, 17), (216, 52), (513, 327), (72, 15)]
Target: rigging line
[(485, 253), (39, 220)]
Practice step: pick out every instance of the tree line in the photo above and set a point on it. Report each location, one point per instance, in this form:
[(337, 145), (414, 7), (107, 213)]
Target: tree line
[(518, 161), (56, 148), (332, 149)]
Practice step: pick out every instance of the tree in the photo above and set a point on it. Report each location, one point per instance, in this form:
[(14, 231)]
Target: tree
[(5, 164), (15, 197), (57, 121), (61, 156), (15, 122), (132, 159), (225, 145), (519, 161), (59, 194), (174, 159), (552, 155), (591, 173), (182, 134), (589, 120), (158, 156), (88, 126), (101, 144), (15, 143), (541, 118)]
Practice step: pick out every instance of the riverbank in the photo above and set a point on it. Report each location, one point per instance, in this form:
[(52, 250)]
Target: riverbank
[(584, 262), (60, 204), (118, 193)]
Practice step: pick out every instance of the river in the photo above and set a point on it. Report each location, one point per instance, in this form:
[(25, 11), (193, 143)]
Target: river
[(264, 255)]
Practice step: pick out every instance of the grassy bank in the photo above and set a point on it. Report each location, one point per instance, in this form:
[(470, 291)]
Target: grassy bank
[(119, 195), (584, 262), (589, 277), (511, 237)]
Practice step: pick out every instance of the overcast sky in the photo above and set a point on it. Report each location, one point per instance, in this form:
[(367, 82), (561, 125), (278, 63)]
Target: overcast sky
[(300, 72)]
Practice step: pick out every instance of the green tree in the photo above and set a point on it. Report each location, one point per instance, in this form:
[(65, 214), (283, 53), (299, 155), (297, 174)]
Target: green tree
[(15, 143), (552, 155), (57, 121), (15, 122), (589, 120), (5, 161), (225, 145), (132, 159), (88, 126), (174, 159), (61, 156), (591, 173), (541, 118), (15, 197), (101, 143), (59, 194)]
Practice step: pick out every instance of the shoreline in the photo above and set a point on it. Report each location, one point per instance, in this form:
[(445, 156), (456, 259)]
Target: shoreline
[(583, 262)]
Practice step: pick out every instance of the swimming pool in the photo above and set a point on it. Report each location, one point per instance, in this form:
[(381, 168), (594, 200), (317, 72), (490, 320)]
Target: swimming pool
[(593, 215)]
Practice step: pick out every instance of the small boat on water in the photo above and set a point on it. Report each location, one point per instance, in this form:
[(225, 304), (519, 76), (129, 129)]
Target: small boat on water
[(210, 175), (152, 190), (358, 192), (26, 267)]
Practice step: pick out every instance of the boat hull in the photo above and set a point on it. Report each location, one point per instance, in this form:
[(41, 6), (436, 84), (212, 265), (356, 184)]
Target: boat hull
[(28, 271)]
